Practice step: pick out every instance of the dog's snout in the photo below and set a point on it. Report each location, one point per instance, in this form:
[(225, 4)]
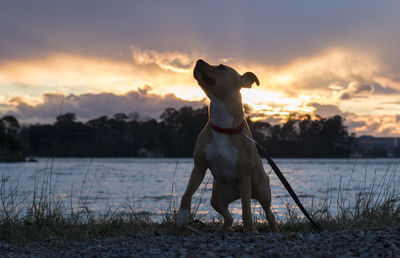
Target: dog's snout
[(200, 62)]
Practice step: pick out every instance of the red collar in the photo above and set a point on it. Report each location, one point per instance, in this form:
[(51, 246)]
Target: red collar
[(233, 130)]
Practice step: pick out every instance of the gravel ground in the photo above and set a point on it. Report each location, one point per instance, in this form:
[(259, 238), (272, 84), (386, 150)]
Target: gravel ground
[(362, 243)]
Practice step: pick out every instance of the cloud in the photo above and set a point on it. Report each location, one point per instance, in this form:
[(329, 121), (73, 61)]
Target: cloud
[(68, 73), (356, 90), (150, 105), (353, 125), (335, 86), (326, 110), (174, 61), (87, 106), (393, 88), (230, 28), (325, 71), (335, 73), (304, 86), (392, 102), (376, 125)]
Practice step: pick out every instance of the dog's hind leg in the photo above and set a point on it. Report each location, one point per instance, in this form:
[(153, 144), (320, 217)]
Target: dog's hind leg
[(262, 193), (222, 196), (195, 180), (245, 196), (271, 219)]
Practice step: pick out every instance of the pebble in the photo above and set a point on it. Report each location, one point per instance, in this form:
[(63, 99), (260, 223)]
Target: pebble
[(348, 243)]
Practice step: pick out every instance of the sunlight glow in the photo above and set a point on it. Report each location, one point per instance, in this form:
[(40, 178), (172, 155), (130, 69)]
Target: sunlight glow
[(284, 79), (189, 92), (69, 73), (331, 80), (275, 103)]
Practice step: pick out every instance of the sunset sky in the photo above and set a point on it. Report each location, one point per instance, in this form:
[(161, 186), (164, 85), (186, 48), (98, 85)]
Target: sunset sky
[(104, 57)]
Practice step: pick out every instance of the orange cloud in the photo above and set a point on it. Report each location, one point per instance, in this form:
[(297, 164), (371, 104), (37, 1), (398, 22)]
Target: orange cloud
[(349, 80), (382, 125), (67, 73), (318, 72), (170, 60), (356, 89)]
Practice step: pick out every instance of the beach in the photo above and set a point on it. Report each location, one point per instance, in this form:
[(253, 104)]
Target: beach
[(383, 242)]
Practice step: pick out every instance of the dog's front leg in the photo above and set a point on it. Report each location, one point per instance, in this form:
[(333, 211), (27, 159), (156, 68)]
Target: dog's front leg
[(195, 180), (245, 196)]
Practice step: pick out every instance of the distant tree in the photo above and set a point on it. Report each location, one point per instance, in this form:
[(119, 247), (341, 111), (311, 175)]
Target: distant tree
[(191, 122), (121, 117), (261, 130), (170, 117), (301, 136), (11, 148), (397, 152), (10, 123), (98, 123), (288, 130), (134, 116), (67, 118), (182, 128)]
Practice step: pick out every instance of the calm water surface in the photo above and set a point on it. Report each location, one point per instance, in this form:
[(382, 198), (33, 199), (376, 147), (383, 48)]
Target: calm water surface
[(153, 185)]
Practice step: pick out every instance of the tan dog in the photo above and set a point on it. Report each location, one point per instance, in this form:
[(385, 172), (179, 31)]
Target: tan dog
[(223, 147)]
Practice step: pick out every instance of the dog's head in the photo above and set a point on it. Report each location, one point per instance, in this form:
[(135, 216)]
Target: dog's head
[(221, 80)]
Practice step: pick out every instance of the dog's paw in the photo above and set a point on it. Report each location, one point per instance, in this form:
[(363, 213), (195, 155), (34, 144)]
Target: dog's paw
[(224, 233), (227, 229), (182, 218), (250, 229)]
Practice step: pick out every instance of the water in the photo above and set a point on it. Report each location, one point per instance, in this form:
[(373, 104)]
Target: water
[(155, 185)]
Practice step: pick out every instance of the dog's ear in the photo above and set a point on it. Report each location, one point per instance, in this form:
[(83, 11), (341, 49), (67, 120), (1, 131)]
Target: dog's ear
[(247, 79)]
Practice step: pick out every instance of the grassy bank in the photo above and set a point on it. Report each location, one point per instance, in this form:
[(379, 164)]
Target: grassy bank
[(42, 216)]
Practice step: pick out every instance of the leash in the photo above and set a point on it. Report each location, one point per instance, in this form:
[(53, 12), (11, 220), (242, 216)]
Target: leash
[(283, 180)]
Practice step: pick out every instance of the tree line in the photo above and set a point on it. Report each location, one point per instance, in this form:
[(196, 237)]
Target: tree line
[(173, 135)]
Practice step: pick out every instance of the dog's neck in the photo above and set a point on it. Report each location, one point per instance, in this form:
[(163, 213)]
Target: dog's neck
[(228, 113)]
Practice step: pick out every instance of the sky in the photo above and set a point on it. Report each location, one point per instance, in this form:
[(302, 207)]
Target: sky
[(97, 58)]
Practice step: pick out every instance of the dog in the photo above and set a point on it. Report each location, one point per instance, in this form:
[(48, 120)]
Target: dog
[(225, 147)]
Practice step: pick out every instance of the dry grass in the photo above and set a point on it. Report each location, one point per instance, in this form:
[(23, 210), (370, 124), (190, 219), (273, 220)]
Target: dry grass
[(374, 205), (42, 216)]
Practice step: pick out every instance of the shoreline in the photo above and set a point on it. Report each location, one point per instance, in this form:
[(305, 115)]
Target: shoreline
[(344, 243), (367, 225)]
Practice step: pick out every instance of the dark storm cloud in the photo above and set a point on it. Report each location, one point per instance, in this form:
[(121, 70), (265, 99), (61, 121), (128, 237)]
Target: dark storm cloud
[(258, 31), (87, 106)]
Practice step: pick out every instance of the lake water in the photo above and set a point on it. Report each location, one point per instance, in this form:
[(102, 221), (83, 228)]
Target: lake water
[(154, 185)]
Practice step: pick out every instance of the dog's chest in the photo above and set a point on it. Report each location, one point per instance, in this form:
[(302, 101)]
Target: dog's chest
[(222, 157)]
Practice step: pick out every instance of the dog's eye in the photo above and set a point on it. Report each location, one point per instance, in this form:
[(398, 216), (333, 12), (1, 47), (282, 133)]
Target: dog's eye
[(221, 67), (208, 80)]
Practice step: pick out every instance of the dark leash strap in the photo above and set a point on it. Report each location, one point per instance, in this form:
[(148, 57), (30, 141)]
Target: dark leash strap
[(284, 182)]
